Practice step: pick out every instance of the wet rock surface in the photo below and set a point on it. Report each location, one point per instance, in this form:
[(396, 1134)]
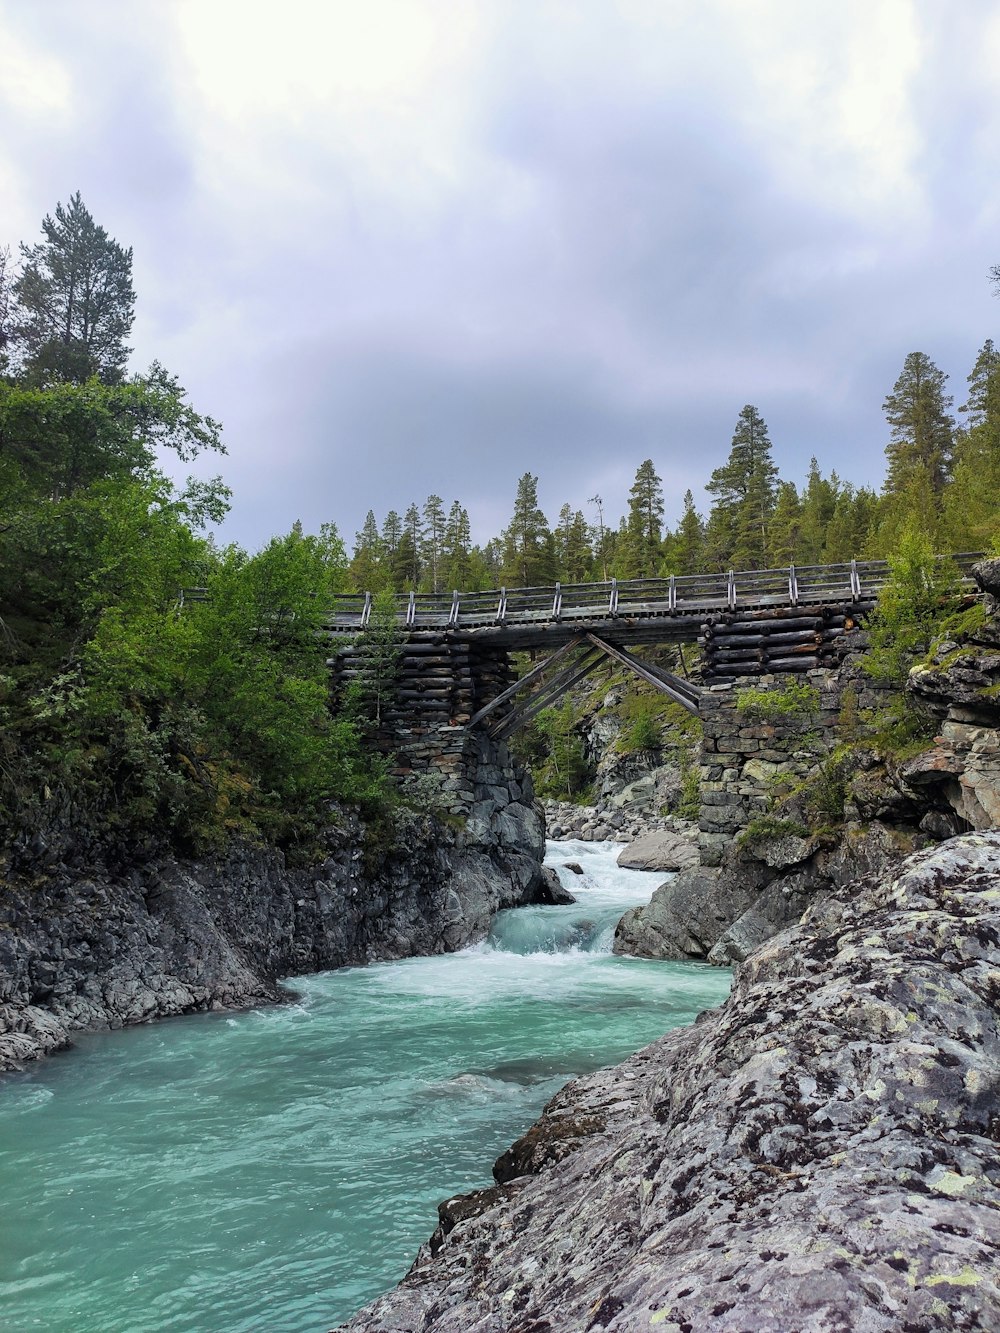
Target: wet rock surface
[(819, 1154)]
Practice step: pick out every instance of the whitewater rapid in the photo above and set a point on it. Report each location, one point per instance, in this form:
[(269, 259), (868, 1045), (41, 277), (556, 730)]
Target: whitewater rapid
[(273, 1170)]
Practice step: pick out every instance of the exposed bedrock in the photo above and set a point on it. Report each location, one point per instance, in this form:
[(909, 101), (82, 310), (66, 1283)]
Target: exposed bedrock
[(819, 1154), (97, 949), (722, 913)]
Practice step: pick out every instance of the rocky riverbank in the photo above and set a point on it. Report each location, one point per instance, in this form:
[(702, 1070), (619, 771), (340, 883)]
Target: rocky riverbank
[(82, 949), (819, 1154)]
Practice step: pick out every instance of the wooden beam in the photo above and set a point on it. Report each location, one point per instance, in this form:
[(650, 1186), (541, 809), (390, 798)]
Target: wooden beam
[(528, 677), (545, 695), (679, 690)]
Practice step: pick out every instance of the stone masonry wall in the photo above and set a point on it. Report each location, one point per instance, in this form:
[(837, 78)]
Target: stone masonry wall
[(745, 758)]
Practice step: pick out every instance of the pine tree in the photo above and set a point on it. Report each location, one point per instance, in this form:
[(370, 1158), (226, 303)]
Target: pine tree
[(602, 545), (919, 452), (432, 543), (644, 531), (745, 488), (689, 540), (75, 300), (971, 507), (528, 549)]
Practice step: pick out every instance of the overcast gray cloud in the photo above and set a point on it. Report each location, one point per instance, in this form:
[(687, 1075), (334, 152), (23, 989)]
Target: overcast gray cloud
[(414, 246)]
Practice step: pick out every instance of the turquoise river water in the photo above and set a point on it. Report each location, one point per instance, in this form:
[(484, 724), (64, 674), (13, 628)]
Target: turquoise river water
[(270, 1171)]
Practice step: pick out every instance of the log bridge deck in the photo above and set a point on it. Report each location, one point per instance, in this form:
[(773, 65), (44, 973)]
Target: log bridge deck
[(454, 667)]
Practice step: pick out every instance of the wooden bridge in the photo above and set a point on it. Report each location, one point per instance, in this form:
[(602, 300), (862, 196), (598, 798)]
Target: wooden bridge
[(454, 665)]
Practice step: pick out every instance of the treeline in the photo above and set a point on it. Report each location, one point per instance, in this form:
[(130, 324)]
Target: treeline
[(942, 480), (125, 723)]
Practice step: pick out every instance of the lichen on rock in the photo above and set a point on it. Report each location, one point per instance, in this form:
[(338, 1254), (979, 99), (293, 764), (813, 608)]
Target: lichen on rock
[(819, 1154)]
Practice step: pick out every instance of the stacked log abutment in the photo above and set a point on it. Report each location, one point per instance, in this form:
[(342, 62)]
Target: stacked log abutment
[(419, 697), (792, 640)]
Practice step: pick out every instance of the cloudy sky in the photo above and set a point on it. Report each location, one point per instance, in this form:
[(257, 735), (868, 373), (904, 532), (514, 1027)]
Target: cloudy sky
[(412, 246)]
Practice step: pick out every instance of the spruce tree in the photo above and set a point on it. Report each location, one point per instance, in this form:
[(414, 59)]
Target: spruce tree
[(644, 531), (367, 570), (406, 566), (392, 530), (689, 540), (919, 451), (574, 555), (847, 534), (528, 549), (6, 309), (971, 508), (457, 547), (818, 503), (785, 527), (745, 488)]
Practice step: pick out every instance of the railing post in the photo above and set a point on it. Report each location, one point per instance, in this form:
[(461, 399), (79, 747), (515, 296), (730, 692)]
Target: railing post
[(613, 599), (366, 610), (672, 594), (502, 606), (453, 618), (855, 581), (793, 586), (731, 590), (411, 609), (557, 602)]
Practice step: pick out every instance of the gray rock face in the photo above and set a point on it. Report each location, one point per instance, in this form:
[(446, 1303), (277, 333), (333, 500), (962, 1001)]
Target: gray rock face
[(684, 917), (818, 1155), (660, 851), (104, 951), (722, 913)]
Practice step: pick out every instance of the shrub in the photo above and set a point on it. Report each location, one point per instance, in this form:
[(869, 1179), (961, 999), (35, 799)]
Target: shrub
[(796, 699)]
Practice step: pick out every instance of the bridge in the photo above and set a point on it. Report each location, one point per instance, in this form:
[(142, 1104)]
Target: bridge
[(454, 666), (455, 696)]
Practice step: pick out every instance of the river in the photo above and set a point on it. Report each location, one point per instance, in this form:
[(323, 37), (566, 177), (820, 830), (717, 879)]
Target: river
[(270, 1171)]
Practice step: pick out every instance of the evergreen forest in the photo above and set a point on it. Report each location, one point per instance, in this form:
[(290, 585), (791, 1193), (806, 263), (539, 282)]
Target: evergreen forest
[(137, 721)]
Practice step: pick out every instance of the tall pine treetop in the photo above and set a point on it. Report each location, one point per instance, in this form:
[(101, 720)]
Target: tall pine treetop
[(75, 301)]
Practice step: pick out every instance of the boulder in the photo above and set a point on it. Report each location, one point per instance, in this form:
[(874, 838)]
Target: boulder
[(550, 891), (659, 851), (685, 917)]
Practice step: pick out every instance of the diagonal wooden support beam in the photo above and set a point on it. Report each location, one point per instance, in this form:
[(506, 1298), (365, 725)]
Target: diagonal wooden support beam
[(680, 691), (577, 641), (549, 692)]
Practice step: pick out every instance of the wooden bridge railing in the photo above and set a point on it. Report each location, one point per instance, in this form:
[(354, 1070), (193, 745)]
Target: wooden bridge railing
[(679, 595)]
